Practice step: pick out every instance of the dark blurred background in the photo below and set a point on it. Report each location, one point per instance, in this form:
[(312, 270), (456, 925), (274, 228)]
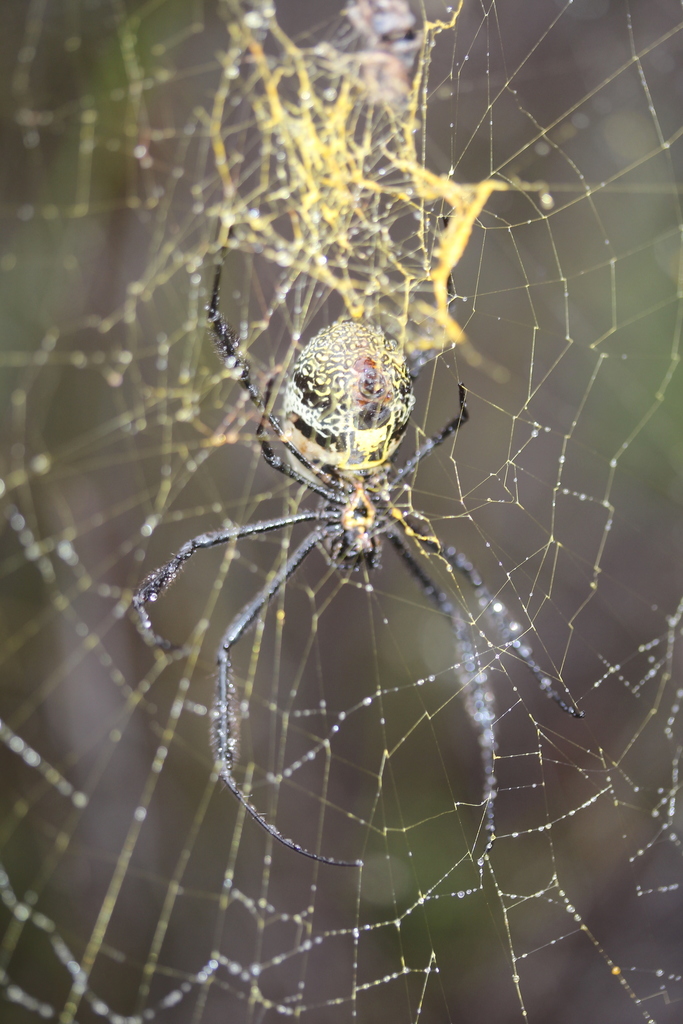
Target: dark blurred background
[(133, 886)]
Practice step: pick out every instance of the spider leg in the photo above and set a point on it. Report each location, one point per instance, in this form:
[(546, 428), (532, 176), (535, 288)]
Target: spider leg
[(478, 694), (509, 636), (159, 580), (433, 442), (228, 348), (494, 607), (225, 713), (227, 342), (275, 462)]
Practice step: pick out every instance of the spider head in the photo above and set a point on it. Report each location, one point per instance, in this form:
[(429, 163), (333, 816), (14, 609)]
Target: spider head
[(349, 550), (348, 399), (355, 541)]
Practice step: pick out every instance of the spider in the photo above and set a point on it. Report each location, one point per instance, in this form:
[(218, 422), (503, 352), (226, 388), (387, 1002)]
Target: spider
[(346, 408), (390, 43)]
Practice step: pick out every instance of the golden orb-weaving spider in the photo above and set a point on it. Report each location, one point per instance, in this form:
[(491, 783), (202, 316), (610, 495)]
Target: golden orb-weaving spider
[(346, 408)]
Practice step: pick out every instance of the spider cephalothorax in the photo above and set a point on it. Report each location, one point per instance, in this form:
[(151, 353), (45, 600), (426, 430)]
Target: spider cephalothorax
[(346, 408), (357, 540)]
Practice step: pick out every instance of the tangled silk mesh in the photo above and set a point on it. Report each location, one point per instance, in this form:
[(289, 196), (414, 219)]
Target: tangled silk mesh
[(509, 210)]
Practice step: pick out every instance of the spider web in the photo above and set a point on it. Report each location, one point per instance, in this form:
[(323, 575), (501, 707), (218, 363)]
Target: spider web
[(139, 137)]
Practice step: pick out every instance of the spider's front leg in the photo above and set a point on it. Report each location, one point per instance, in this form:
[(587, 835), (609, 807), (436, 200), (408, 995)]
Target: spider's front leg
[(154, 585), (490, 606), (511, 640), (225, 713), (478, 694)]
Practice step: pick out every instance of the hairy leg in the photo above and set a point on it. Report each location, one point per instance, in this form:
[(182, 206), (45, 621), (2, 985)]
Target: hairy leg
[(160, 579), (226, 720)]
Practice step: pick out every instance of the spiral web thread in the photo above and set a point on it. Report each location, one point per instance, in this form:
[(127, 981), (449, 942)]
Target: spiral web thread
[(514, 219)]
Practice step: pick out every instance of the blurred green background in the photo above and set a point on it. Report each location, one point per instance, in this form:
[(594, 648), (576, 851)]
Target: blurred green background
[(133, 887)]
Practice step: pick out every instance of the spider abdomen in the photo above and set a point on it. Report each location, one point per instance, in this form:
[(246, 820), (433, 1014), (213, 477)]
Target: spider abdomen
[(349, 398)]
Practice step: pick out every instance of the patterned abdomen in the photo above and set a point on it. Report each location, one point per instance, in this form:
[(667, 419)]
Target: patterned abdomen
[(349, 398)]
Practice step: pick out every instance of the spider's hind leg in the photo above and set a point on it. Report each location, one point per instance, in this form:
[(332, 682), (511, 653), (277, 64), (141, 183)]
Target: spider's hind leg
[(227, 345), (227, 341), (433, 442)]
